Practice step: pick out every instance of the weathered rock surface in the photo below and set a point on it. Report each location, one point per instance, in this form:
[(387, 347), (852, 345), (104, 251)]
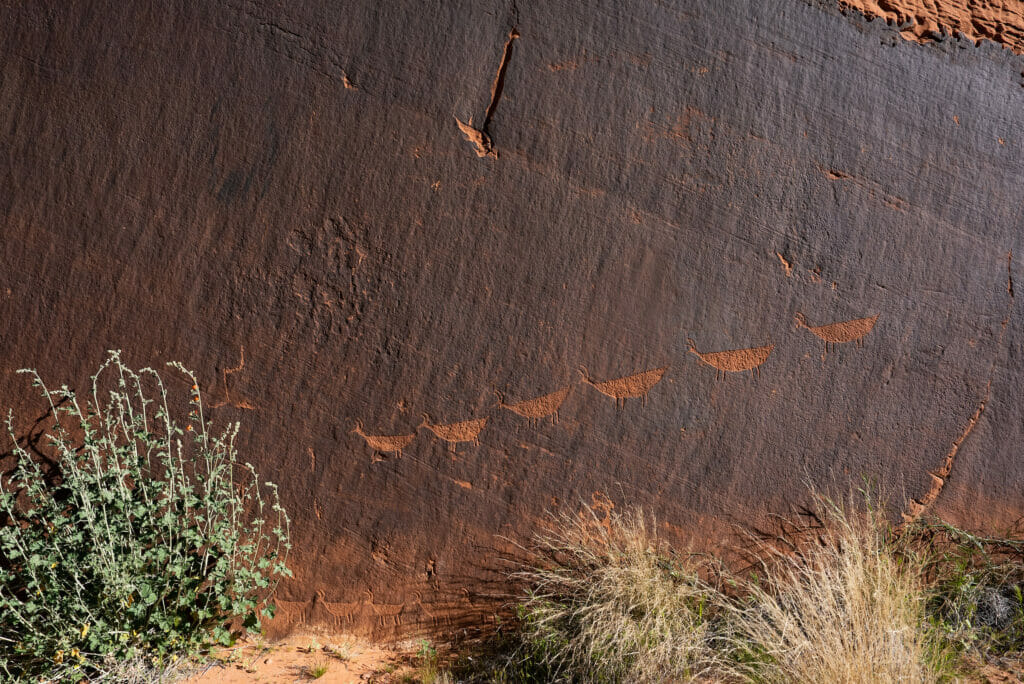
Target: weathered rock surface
[(363, 211), (1001, 21)]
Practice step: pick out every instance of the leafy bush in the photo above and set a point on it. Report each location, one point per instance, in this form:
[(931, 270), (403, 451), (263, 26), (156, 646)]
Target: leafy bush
[(132, 533), (428, 664)]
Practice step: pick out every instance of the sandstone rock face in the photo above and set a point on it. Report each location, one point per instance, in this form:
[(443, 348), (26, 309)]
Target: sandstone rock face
[(1001, 21), (345, 216)]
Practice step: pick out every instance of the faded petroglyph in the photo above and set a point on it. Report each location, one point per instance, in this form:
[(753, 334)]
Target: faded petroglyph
[(327, 280), (790, 269), (297, 42), (228, 401), (915, 507), (599, 503), (691, 128), (840, 332), (480, 137), (384, 444), (641, 60), (873, 188), (734, 360), (538, 407), (628, 387), (454, 433)]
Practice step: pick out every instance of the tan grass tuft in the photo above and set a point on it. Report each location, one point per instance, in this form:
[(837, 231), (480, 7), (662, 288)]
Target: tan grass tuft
[(610, 602), (845, 609)]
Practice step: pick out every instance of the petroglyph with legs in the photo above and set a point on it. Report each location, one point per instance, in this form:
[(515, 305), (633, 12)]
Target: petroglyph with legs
[(454, 433), (228, 401), (734, 360), (628, 387), (538, 407), (841, 332), (385, 444)]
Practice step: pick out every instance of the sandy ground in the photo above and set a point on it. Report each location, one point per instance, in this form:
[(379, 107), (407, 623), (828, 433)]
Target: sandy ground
[(1004, 673), (350, 660), (297, 658)]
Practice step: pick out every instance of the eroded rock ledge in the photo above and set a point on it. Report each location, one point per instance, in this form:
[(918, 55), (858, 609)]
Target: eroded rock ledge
[(1001, 21)]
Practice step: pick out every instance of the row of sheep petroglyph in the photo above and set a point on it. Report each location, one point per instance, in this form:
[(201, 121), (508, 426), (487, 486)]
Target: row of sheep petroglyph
[(620, 389)]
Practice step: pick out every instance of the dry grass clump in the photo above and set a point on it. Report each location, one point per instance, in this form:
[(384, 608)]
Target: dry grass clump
[(317, 669), (609, 602), (847, 600), (846, 608), (141, 671)]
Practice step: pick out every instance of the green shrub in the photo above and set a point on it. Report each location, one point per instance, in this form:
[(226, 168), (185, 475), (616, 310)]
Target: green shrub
[(132, 533), (428, 663), (974, 586)]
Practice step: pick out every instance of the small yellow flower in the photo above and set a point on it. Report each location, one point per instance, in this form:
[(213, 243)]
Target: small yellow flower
[(53, 565), (59, 658), (85, 630)]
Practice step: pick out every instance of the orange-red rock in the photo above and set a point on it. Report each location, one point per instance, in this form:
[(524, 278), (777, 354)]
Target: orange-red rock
[(279, 195)]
